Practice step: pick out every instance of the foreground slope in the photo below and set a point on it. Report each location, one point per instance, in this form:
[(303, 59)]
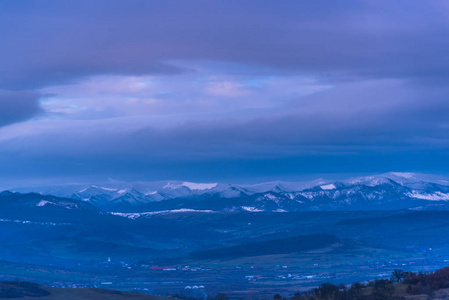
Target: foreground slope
[(27, 290)]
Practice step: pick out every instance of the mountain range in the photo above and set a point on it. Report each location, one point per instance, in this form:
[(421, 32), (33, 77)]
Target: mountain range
[(378, 192)]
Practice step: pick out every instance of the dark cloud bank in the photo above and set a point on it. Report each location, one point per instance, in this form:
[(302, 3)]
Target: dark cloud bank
[(18, 106)]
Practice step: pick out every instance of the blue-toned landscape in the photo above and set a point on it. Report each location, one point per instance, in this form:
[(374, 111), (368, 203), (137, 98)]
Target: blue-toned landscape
[(221, 149), (201, 239)]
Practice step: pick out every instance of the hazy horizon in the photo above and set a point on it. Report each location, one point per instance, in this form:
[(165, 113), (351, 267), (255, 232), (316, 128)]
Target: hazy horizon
[(117, 182)]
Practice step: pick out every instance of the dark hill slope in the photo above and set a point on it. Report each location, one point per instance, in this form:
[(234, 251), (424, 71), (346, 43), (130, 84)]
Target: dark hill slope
[(27, 290), (280, 246)]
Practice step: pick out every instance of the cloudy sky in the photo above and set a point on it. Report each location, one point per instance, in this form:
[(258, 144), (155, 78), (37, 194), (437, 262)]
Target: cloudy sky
[(232, 91)]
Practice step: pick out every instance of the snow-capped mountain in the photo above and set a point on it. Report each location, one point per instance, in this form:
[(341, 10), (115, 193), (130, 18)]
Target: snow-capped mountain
[(385, 191)]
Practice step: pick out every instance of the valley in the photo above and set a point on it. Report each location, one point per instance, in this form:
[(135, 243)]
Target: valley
[(203, 248)]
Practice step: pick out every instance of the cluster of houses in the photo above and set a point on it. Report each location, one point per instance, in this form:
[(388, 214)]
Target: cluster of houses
[(178, 268), (283, 277)]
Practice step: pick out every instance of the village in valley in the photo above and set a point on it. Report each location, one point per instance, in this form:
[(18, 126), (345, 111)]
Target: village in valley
[(199, 280)]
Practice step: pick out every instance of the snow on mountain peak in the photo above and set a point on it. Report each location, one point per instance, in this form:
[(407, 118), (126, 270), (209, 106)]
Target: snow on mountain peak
[(403, 174), (199, 186), (43, 203), (193, 186), (328, 187), (172, 186)]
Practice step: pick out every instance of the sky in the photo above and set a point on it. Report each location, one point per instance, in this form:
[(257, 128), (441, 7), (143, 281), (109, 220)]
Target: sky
[(230, 91)]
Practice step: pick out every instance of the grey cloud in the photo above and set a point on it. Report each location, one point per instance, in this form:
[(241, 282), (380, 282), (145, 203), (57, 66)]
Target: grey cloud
[(353, 117), (18, 106), (63, 73), (371, 39)]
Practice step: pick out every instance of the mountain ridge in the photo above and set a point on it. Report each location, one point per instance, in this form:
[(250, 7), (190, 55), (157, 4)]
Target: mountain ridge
[(394, 190)]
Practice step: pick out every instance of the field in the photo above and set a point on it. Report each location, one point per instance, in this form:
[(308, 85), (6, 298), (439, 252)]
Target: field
[(241, 254)]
